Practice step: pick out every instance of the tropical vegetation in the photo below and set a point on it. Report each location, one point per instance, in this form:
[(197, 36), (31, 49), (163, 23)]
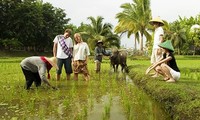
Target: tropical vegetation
[(98, 30), (32, 25), (29, 24), (134, 19)]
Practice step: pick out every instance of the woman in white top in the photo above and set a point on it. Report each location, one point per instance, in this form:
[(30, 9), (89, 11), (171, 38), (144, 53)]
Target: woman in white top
[(80, 57)]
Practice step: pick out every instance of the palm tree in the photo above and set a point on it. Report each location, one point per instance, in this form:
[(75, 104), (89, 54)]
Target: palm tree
[(99, 31), (179, 36), (134, 19), (178, 32)]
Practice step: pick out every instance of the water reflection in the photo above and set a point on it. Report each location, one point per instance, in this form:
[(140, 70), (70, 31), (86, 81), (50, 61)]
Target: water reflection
[(105, 97)]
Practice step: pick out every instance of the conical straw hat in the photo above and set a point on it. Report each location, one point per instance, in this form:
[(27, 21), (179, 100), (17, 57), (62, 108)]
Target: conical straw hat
[(167, 45), (158, 20), (52, 61)]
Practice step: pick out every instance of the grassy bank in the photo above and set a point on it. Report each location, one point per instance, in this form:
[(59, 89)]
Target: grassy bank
[(181, 99)]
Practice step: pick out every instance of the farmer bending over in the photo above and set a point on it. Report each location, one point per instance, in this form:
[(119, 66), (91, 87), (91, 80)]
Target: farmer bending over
[(34, 69)]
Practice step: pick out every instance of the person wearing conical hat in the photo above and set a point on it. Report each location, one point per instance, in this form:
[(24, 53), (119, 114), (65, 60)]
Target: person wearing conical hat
[(157, 23), (35, 68), (167, 66), (99, 51)]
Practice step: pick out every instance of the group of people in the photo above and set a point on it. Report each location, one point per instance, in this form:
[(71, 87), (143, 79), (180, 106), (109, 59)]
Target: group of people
[(162, 58), (71, 55), (75, 55)]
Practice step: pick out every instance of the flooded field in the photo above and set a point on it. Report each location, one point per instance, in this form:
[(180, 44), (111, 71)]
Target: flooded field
[(107, 96)]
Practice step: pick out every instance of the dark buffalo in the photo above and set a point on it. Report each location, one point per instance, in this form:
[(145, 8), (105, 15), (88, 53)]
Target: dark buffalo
[(118, 57)]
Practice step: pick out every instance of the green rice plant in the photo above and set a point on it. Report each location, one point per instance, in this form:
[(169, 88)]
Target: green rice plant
[(106, 113), (186, 71), (103, 84), (60, 109), (78, 117), (198, 76), (42, 112), (128, 109), (31, 104), (73, 91), (110, 98), (82, 112), (107, 100), (126, 103), (85, 111), (123, 97), (5, 95), (90, 103), (76, 99), (90, 96), (90, 89), (66, 103)]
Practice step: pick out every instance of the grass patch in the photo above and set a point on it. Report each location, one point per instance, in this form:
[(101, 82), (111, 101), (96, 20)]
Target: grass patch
[(180, 99)]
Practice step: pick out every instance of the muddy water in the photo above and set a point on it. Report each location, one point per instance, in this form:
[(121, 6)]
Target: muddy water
[(105, 97), (142, 107)]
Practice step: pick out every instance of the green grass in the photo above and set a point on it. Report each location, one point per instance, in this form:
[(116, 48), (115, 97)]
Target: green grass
[(180, 99), (103, 94), (78, 100)]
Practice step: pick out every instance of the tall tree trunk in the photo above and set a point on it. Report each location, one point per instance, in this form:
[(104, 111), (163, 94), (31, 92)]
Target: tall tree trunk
[(135, 43), (178, 50), (141, 42), (194, 50)]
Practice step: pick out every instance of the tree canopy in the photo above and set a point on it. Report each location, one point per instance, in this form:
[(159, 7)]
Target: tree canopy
[(32, 25)]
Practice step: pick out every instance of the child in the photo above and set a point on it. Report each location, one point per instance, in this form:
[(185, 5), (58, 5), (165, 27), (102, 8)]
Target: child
[(167, 66)]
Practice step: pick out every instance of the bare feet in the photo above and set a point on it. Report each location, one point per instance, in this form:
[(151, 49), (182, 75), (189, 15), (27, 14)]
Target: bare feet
[(87, 78), (171, 80), (154, 76), (152, 73), (166, 78)]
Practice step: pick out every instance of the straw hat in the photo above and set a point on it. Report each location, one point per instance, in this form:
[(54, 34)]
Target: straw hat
[(52, 61), (167, 45), (158, 20), (99, 41)]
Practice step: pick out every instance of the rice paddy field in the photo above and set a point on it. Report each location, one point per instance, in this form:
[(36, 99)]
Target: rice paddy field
[(107, 96)]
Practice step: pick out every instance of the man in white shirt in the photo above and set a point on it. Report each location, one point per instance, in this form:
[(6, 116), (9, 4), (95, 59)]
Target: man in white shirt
[(63, 49)]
